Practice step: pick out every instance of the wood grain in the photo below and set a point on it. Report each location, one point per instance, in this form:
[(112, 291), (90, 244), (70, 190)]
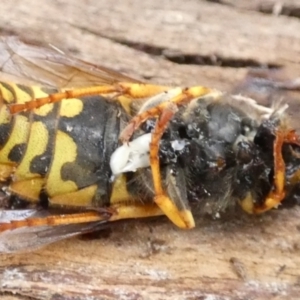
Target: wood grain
[(178, 42)]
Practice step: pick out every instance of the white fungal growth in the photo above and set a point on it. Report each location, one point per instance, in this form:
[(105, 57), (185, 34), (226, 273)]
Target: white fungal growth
[(178, 145), (132, 156)]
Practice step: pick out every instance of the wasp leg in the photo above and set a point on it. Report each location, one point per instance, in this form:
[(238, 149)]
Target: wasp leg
[(133, 90), (275, 196), (183, 97), (57, 220), (134, 211), (184, 218), (292, 138)]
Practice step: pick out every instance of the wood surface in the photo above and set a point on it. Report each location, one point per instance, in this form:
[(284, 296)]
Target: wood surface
[(176, 42)]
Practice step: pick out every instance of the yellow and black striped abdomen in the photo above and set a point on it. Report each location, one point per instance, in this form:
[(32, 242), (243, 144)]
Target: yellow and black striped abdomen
[(15, 131), (61, 150), (88, 128)]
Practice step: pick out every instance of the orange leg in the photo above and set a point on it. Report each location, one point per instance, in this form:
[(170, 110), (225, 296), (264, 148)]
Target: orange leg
[(182, 219), (57, 220), (114, 213), (166, 109), (292, 138), (134, 90), (134, 211), (184, 97), (275, 196)]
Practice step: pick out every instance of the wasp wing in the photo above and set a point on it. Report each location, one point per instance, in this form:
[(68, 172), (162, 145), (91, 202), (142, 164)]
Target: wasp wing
[(35, 65), (30, 238)]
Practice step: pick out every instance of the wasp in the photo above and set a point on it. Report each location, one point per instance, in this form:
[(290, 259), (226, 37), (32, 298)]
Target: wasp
[(82, 146)]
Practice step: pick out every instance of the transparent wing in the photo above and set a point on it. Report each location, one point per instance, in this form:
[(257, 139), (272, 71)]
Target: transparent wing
[(35, 65), (29, 238)]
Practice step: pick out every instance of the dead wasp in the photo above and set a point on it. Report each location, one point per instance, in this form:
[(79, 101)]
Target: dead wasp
[(182, 150)]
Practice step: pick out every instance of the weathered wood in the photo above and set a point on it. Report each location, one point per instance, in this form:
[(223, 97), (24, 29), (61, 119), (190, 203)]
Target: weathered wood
[(244, 258), (153, 260), (169, 28), (287, 7)]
